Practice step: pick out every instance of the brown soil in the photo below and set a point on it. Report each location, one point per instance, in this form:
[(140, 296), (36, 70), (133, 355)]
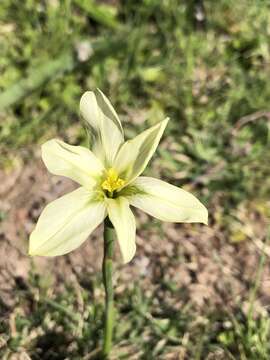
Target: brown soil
[(198, 259)]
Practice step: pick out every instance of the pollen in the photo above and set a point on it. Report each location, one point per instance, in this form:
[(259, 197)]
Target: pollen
[(113, 181)]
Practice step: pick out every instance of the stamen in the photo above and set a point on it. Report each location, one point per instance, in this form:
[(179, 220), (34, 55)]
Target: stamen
[(113, 181)]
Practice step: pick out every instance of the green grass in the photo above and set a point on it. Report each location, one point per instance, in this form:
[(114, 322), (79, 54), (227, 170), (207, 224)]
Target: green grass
[(157, 62), (64, 324), (153, 59)]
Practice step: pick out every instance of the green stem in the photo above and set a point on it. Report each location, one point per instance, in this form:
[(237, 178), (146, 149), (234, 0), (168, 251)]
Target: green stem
[(107, 269)]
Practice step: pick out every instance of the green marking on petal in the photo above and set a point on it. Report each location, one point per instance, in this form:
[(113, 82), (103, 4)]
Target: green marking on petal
[(131, 190)]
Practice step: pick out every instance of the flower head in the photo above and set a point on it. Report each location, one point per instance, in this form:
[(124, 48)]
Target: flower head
[(109, 175)]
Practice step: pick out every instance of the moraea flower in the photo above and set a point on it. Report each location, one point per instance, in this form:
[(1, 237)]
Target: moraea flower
[(110, 181)]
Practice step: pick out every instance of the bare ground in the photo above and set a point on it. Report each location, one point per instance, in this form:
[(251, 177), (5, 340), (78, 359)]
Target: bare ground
[(200, 260)]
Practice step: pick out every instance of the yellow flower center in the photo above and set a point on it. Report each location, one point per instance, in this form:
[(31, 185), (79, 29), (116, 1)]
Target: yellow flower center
[(113, 181)]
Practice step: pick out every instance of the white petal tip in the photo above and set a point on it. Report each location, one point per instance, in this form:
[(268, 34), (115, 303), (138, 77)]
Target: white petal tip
[(129, 258), (87, 93), (85, 98), (165, 121), (204, 217), (128, 253), (32, 253)]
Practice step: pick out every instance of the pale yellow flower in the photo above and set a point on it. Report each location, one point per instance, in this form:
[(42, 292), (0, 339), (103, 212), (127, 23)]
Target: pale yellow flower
[(110, 181)]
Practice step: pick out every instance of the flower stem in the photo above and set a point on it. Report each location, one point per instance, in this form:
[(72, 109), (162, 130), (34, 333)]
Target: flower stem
[(107, 269)]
